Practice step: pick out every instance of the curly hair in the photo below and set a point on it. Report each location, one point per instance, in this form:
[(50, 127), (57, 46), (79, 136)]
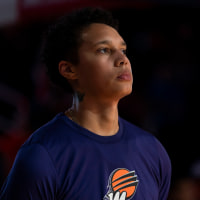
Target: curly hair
[(63, 39)]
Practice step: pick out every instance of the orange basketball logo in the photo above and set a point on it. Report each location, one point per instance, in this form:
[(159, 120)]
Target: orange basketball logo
[(123, 180)]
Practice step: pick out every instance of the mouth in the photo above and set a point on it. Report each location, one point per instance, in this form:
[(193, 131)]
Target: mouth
[(125, 76)]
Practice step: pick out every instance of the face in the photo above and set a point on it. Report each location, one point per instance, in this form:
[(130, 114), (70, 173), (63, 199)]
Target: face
[(104, 71)]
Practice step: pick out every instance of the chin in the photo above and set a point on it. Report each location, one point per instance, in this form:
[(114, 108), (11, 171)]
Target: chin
[(126, 92)]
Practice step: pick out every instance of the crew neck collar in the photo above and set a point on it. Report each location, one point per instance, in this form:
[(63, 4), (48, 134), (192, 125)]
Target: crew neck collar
[(83, 131)]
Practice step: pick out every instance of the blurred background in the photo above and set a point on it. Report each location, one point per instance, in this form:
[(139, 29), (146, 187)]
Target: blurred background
[(163, 38)]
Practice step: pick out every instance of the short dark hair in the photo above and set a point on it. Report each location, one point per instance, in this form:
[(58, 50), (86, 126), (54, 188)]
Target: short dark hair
[(63, 39)]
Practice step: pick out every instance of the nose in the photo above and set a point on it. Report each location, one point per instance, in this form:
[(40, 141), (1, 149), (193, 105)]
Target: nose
[(121, 59)]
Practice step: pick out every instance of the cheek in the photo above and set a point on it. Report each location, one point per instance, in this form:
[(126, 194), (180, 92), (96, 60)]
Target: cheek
[(95, 70), (92, 68), (95, 79)]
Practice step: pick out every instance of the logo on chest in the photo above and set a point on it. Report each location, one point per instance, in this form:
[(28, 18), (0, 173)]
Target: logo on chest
[(122, 185)]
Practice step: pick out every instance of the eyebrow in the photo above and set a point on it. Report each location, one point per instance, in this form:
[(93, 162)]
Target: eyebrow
[(123, 43)]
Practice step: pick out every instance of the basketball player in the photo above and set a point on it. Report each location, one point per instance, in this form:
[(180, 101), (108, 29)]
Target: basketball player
[(88, 151)]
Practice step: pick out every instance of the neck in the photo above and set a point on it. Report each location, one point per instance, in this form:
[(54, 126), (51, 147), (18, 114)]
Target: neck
[(99, 118)]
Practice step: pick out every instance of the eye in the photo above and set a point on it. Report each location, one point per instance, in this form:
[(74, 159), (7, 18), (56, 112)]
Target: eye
[(124, 51), (105, 50)]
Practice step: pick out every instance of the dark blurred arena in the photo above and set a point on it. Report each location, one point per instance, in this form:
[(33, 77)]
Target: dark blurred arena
[(163, 39)]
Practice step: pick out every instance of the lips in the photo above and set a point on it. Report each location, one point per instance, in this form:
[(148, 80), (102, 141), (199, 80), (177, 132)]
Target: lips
[(125, 76)]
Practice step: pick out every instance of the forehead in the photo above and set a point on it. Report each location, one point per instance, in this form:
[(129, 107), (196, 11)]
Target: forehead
[(97, 33)]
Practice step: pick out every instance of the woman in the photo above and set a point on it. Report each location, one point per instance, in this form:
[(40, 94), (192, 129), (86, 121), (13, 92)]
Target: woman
[(88, 151)]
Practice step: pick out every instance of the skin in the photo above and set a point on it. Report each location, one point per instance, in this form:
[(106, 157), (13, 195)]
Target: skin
[(101, 78)]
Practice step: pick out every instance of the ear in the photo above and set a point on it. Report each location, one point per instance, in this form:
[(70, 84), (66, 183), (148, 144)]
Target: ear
[(67, 70)]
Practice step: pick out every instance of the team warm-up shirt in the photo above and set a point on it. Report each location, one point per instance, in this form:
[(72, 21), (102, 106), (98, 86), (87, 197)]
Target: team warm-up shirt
[(64, 161)]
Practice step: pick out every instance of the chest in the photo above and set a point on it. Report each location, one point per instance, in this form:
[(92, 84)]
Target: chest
[(93, 171)]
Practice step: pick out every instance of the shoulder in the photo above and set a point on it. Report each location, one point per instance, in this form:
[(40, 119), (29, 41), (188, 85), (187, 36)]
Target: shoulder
[(50, 141), (34, 158), (52, 132), (32, 171), (135, 132), (152, 150), (145, 141)]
